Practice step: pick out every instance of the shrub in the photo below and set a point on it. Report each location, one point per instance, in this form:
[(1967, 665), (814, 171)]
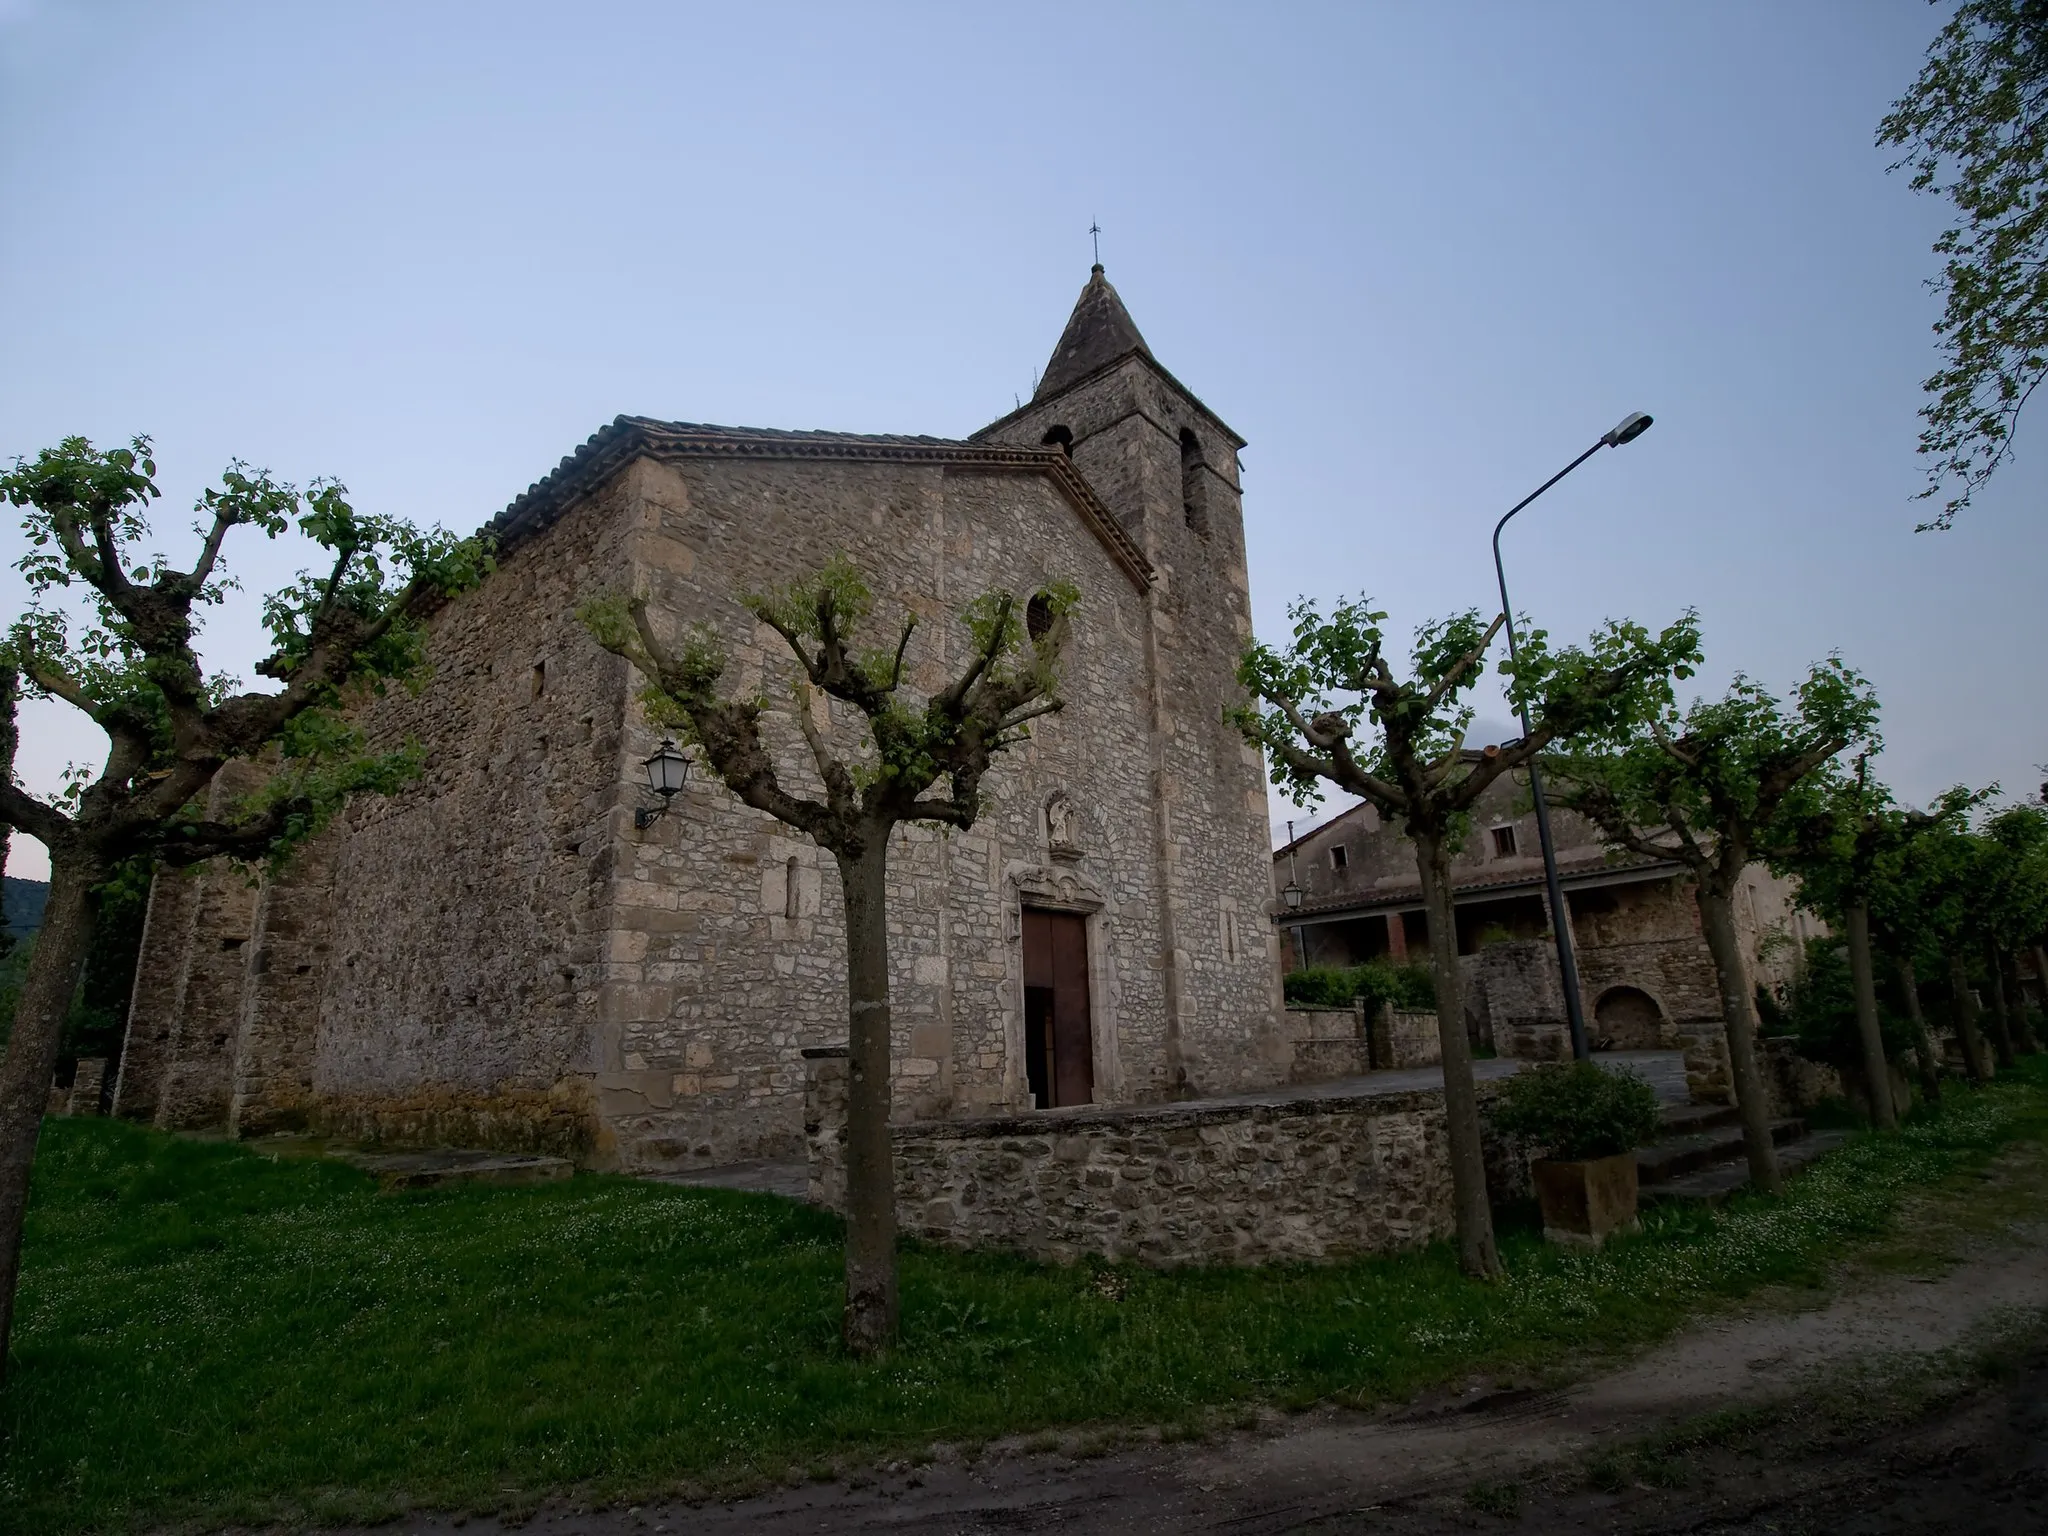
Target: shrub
[(1377, 981), (1319, 986), (1820, 1011), (1578, 1110)]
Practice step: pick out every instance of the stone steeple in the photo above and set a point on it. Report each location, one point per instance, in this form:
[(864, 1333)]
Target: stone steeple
[(1099, 332)]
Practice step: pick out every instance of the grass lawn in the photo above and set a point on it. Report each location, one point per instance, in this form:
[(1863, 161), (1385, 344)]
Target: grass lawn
[(209, 1335)]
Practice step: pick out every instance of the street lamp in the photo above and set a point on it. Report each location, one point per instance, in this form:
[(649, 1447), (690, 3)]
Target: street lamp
[(1630, 427), (667, 772), (1291, 894)]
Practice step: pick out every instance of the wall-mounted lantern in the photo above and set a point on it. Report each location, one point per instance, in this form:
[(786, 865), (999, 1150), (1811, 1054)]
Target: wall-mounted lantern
[(1292, 896), (667, 772)]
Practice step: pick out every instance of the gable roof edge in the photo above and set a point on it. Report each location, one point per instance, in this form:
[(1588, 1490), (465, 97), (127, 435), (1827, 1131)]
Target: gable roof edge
[(1090, 377), (625, 438)]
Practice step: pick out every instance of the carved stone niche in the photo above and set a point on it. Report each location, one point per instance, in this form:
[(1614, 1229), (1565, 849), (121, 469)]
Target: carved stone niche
[(1061, 839)]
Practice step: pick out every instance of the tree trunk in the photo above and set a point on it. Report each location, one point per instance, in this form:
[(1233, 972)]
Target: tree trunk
[(2041, 977), (1923, 1050), (1717, 919), (1877, 1070), (2001, 1027), (2016, 1004), (870, 1321), (46, 993), (1966, 1020), (1477, 1254)]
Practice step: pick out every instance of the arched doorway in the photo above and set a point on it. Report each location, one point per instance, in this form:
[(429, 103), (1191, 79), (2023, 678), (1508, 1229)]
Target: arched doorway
[(1627, 1019)]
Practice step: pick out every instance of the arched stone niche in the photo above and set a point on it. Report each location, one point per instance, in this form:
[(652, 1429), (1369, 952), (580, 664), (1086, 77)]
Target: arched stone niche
[(1626, 1018)]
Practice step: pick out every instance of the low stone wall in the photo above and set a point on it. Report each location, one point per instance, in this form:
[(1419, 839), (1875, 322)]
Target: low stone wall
[(1333, 1043), (1250, 1180), (1513, 993), (1411, 1039), (1328, 1043), (88, 1086), (1793, 1083)]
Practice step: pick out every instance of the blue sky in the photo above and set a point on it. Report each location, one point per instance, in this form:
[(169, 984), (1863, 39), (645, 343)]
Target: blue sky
[(1418, 255)]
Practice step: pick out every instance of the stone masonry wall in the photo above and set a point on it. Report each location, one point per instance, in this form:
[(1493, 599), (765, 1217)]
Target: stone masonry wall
[(1413, 1039), (1511, 988), (154, 1003), (1328, 1043), (1208, 790), (425, 969), (195, 1076), (495, 954), (1164, 1185), (459, 988), (274, 1047), (728, 952)]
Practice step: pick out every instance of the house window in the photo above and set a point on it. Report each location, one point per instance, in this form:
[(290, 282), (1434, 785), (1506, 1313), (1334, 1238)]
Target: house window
[(1339, 857), (1504, 842)]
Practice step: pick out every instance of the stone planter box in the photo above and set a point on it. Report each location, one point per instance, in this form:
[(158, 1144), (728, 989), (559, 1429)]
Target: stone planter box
[(1583, 1202)]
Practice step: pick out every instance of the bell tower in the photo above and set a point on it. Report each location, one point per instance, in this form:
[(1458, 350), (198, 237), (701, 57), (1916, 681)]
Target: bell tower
[(1166, 466)]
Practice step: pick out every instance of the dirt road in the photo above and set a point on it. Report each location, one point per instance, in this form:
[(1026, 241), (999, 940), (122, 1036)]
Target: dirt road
[(1870, 1413)]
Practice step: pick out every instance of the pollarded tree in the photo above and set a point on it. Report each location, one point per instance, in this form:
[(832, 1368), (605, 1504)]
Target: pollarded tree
[(1903, 904), (133, 670), (1933, 888), (2012, 905), (1317, 701), (1974, 128), (953, 736), (1842, 835), (1706, 788)]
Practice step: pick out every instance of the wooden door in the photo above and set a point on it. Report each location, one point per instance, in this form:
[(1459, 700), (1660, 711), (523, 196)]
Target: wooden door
[(1059, 1052)]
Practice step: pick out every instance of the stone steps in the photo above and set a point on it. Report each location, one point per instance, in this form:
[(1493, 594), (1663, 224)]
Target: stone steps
[(1689, 1149), (1717, 1181)]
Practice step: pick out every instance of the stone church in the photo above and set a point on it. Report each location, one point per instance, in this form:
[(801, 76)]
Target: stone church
[(503, 955)]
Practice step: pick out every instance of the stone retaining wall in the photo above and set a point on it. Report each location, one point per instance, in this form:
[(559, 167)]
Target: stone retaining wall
[(1411, 1039), (1245, 1181), (1332, 1043), (1328, 1043), (1793, 1083)]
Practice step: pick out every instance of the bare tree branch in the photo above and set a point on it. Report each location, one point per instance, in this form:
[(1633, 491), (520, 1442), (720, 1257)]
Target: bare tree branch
[(1458, 669), (25, 813), (896, 668)]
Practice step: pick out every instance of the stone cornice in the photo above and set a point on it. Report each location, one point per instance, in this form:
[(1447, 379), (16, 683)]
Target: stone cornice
[(626, 438)]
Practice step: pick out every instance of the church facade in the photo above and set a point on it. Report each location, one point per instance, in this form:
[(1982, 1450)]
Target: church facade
[(500, 955)]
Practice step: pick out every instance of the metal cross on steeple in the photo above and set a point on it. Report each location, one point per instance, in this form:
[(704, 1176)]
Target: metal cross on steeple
[(1095, 235)]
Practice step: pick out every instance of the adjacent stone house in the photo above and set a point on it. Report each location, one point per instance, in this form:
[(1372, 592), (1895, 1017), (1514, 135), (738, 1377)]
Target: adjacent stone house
[(1645, 972), (499, 956)]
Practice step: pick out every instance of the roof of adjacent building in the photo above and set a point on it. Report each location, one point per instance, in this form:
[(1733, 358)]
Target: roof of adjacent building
[(1612, 870), (626, 438)]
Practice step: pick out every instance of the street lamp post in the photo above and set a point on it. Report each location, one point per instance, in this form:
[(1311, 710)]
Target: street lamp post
[(1292, 896), (1632, 426)]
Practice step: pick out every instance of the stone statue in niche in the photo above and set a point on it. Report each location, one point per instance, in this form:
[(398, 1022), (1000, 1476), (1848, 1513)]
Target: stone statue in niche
[(1059, 827)]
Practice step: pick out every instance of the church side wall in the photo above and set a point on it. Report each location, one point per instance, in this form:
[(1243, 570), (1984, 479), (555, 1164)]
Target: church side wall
[(195, 1077), (727, 954), (466, 914), (153, 1004), (275, 1039)]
